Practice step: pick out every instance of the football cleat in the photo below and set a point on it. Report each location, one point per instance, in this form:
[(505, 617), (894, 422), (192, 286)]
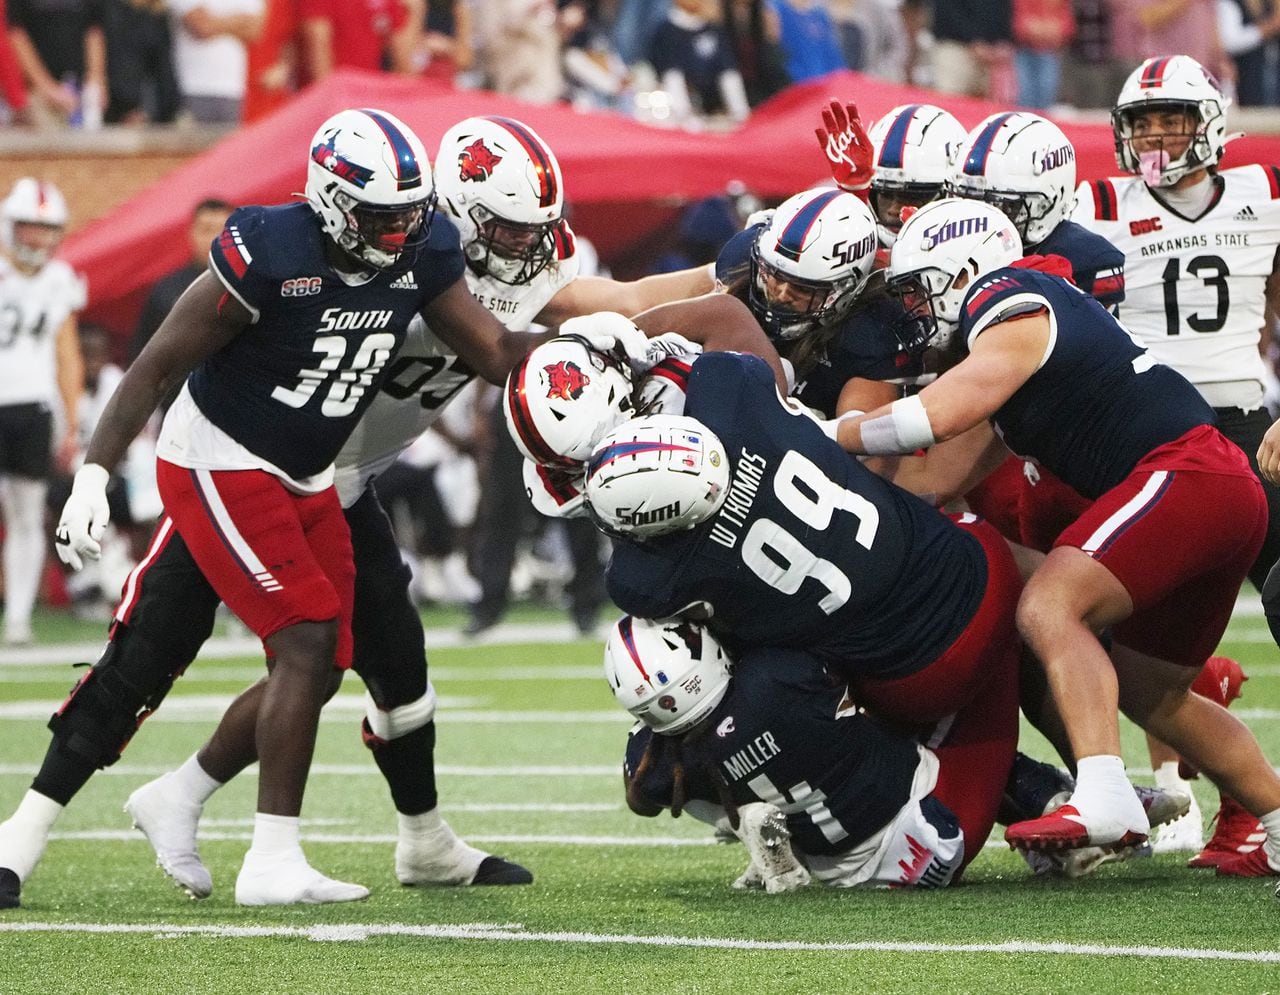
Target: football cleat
[(1033, 789), (168, 820), (497, 870), (763, 830), (1184, 834), (290, 880), (439, 857), (10, 889), (1236, 832), (1257, 863)]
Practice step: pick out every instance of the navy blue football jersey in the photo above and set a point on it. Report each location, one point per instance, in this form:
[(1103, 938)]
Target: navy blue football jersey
[(291, 387), (787, 734), (1097, 266), (1099, 402), (810, 549)]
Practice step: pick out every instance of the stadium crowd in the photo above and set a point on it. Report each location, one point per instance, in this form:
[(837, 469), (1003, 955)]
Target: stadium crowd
[(954, 298)]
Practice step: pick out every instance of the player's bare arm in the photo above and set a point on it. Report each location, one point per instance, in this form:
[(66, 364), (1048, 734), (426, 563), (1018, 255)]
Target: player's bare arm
[(204, 319), (1000, 361), (70, 386), (480, 339), (718, 323), (597, 293)]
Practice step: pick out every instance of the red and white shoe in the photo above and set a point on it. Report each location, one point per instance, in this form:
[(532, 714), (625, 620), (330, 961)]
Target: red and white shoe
[(1065, 829), (1256, 863), (1237, 832)]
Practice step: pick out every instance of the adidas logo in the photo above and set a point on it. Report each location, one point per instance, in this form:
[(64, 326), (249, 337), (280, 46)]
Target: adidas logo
[(404, 281), (1245, 214)]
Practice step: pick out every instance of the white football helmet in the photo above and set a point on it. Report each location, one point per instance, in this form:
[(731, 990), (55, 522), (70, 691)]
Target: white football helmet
[(1177, 83), (369, 180), (655, 475), (811, 261), (669, 675), (914, 145), (1024, 165), (32, 202), (504, 190), (942, 249), (562, 398)]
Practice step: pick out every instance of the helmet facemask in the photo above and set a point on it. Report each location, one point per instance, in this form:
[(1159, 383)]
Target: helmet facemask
[(929, 314), (1023, 209), (887, 201), (790, 306), (381, 235), (32, 254), (511, 252), (1155, 165)]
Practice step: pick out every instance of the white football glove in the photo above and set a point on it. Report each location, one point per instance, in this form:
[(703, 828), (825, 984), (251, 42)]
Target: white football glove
[(764, 217), (668, 345), (608, 330), (84, 517)]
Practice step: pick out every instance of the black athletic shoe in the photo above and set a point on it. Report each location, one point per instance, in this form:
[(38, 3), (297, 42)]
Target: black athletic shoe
[(1031, 787), (495, 870), (11, 887)]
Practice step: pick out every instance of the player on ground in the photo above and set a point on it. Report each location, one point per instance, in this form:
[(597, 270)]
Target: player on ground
[(40, 367), (743, 745), (1200, 246), (1064, 384)]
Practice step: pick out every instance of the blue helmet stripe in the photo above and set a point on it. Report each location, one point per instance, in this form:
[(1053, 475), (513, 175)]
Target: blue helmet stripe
[(620, 449), (976, 163), (895, 141), (791, 241), (408, 171)]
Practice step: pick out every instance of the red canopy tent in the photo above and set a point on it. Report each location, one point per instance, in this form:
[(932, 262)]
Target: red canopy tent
[(625, 180)]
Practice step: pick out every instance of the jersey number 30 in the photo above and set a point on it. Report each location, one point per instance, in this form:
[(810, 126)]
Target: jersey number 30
[(780, 559), (348, 386)]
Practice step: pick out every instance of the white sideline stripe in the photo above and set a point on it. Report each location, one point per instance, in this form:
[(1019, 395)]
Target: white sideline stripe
[(132, 835), (185, 708), (354, 932), (362, 770), (201, 672), (228, 647)]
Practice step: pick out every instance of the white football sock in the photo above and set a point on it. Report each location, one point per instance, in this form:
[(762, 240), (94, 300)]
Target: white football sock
[(276, 835), (194, 782)]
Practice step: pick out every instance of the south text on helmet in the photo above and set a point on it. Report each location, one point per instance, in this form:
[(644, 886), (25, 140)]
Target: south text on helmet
[(935, 235)]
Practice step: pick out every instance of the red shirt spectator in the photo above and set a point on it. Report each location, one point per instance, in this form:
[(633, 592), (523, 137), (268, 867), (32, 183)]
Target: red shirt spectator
[(273, 61), (11, 87), (364, 27)]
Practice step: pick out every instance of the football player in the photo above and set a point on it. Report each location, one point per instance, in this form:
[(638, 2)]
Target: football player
[(1200, 246), (915, 145), (776, 748), (1064, 384), (168, 608), (303, 309), (40, 366)]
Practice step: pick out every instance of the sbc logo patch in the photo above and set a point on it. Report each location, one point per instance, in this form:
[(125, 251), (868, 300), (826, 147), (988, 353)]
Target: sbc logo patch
[(303, 286)]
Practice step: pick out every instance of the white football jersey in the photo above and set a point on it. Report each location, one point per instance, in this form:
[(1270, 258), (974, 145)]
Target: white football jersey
[(32, 310), (1195, 291), (429, 370)]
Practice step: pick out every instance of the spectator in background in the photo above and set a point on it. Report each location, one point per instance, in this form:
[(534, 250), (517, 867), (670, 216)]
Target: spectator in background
[(272, 73), (634, 25), (972, 46), (809, 39), (757, 43), (520, 53), (40, 372), (1093, 75), (705, 227), (1042, 30), (873, 36), (143, 86), (1142, 29), (207, 221), (1248, 30), (63, 54), (360, 34), (695, 63), (442, 47), (210, 55), (594, 72), (13, 91)]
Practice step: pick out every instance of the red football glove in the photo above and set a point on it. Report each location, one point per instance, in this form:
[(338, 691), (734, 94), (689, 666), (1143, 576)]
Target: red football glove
[(848, 149)]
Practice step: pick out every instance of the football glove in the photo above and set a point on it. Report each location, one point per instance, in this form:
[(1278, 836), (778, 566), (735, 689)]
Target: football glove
[(84, 517), (606, 331), (848, 149)]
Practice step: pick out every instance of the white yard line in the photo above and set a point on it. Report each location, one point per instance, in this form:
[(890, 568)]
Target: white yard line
[(550, 839), (355, 932), (188, 707), (362, 770)]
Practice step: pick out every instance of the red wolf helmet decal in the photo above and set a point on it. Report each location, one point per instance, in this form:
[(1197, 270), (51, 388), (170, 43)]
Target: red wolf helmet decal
[(565, 380), (477, 162)]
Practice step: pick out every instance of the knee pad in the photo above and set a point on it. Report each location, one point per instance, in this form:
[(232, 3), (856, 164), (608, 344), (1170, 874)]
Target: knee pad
[(382, 726), (109, 703)]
